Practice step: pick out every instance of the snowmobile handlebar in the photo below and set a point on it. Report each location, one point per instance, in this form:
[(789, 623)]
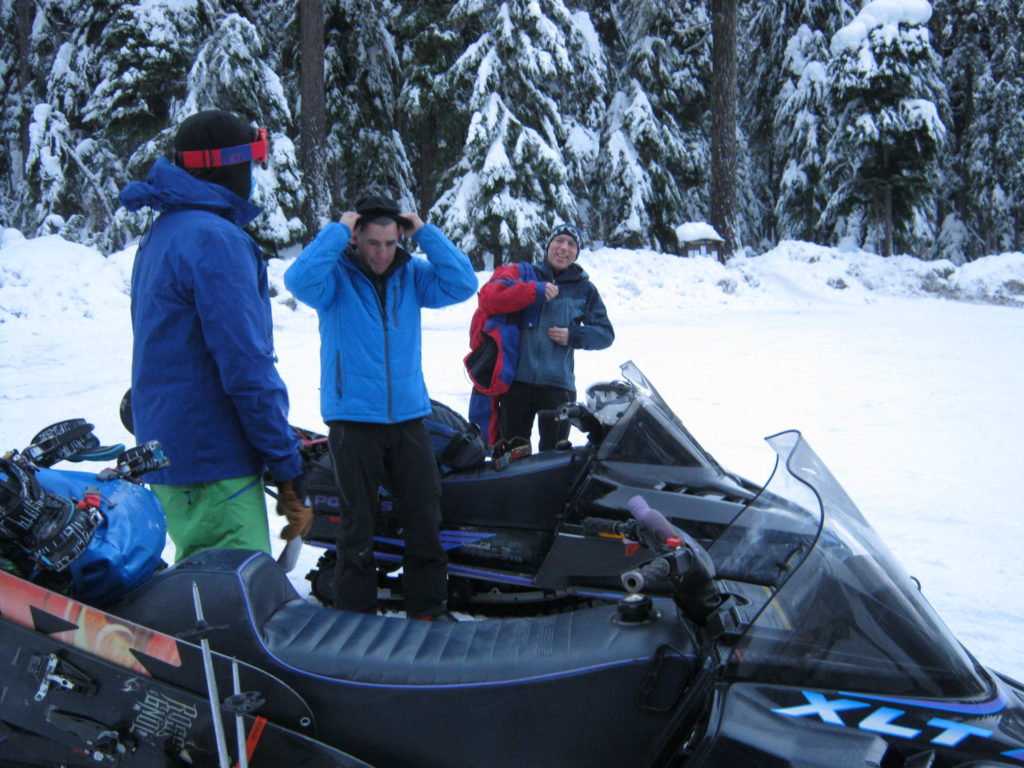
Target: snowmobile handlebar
[(647, 574), (580, 417), (599, 526), (683, 562)]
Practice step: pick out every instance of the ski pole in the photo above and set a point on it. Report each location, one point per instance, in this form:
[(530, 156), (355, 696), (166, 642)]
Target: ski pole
[(211, 683), (243, 753)]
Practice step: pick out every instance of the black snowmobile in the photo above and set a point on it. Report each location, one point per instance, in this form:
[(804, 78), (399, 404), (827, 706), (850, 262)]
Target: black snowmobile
[(546, 531), (792, 639)]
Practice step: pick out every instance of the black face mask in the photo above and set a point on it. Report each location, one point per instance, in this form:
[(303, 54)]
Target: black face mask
[(237, 178)]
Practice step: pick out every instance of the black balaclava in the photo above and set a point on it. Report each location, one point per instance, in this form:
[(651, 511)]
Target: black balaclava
[(216, 129)]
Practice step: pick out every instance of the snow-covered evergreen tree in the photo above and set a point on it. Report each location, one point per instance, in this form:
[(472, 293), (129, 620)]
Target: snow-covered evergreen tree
[(229, 73), (526, 88), (785, 111), (802, 126), (983, 51), (12, 110), (142, 50), (655, 154), (882, 162), (428, 113), (67, 186), (365, 150)]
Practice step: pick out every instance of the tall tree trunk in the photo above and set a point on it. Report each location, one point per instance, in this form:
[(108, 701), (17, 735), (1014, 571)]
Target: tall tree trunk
[(723, 122), (312, 114), (427, 135), (25, 10), (887, 240)]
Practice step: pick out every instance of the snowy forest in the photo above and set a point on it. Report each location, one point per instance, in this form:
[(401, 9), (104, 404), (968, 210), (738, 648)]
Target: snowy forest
[(892, 125)]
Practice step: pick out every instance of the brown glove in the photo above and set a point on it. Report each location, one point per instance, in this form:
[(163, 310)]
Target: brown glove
[(300, 518)]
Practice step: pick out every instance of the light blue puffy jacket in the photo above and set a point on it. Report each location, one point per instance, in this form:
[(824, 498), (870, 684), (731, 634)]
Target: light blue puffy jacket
[(370, 353)]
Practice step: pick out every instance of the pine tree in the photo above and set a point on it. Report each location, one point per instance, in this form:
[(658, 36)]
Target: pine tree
[(63, 187), (984, 47), (655, 154), (229, 73), (802, 127), (15, 79), (525, 86), (1010, 158), (428, 113), (365, 151), (105, 78), (882, 163), (142, 51), (785, 113)]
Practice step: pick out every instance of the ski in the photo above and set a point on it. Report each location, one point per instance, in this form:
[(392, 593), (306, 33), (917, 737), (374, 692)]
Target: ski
[(84, 687)]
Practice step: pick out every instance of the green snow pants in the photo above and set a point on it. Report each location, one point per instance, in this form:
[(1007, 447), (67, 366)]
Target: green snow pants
[(226, 514)]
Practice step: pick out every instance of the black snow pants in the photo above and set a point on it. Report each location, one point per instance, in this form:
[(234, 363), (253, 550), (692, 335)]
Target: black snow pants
[(521, 403), (400, 458)]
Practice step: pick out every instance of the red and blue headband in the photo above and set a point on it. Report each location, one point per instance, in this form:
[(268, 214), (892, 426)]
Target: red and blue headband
[(255, 151)]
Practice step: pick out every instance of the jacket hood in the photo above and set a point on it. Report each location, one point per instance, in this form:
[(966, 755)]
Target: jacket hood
[(169, 188)]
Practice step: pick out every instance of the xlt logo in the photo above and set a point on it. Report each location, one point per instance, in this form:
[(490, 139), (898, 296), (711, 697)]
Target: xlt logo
[(901, 723)]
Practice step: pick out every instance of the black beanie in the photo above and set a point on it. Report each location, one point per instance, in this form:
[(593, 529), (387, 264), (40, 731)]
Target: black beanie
[(372, 207), (216, 129)]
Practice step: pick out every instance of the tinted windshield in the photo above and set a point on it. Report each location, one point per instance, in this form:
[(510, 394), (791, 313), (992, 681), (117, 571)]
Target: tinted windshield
[(649, 432), (824, 603)]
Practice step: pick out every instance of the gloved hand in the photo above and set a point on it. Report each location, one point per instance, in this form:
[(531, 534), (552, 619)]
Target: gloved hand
[(289, 504)]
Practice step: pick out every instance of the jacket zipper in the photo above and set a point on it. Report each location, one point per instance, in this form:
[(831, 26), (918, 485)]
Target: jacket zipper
[(382, 303), (337, 373)]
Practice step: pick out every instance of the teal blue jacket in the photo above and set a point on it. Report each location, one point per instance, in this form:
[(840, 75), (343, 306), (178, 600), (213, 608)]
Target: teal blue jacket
[(577, 307)]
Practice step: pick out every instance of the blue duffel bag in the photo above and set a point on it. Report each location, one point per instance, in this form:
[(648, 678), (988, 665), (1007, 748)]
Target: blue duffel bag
[(127, 544)]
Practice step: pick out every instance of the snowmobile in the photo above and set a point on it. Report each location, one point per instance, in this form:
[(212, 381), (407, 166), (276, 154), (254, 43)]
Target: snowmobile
[(793, 638), (543, 532)]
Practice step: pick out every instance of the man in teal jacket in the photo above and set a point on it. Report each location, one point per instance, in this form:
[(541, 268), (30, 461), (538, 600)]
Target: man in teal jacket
[(368, 293)]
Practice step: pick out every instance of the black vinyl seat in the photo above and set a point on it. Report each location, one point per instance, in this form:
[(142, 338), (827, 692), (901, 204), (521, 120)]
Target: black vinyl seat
[(397, 692), (248, 592)]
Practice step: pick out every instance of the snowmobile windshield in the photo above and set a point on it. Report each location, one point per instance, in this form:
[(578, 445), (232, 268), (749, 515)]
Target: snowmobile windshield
[(821, 602), (649, 432)]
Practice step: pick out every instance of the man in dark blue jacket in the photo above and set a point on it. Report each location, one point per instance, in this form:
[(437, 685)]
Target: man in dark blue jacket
[(368, 292), (204, 381)]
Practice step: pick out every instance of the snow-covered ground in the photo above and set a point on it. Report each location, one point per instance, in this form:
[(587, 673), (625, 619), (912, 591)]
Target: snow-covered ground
[(906, 377)]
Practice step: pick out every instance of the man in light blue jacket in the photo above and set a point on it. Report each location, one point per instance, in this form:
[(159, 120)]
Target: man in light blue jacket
[(368, 292)]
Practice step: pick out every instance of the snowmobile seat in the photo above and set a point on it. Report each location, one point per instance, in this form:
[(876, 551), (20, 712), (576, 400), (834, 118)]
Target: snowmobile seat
[(529, 493), (271, 626)]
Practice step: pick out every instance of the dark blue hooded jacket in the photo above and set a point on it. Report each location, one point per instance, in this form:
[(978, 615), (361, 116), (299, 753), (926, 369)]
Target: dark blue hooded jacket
[(204, 381)]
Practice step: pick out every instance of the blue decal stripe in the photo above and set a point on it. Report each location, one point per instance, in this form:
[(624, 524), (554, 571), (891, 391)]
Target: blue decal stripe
[(449, 539), (490, 575), (998, 704), (467, 535)]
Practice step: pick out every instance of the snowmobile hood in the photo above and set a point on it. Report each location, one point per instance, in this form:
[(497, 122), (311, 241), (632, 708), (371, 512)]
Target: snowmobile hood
[(169, 188)]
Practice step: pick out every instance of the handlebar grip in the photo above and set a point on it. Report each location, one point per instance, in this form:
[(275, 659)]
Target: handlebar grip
[(648, 573), (652, 519)]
